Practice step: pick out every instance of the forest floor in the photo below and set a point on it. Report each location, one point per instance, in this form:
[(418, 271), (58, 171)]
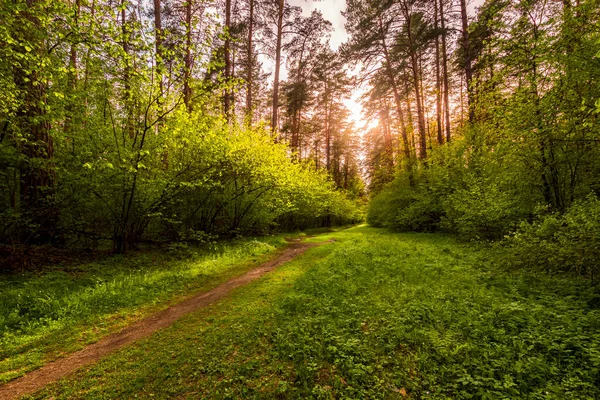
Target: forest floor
[(373, 314)]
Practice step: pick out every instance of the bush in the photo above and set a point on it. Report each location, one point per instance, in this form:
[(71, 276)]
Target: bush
[(406, 207), (476, 193), (481, 210), (559, 243)]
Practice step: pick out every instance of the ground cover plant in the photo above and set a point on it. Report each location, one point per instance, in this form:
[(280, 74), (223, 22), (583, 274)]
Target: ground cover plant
[(374, 314), (58, 310)]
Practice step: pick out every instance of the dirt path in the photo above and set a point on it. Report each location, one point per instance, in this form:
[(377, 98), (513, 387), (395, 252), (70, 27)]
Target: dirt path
[(55, 370)]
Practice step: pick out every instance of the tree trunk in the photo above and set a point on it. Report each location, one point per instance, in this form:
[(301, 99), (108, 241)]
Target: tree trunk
[(397, 99), (249, 110), (327, 130), (187, 73), (274, 118), (445, 73), (416, 83), (227, 50), (467, 60), (438, 91)]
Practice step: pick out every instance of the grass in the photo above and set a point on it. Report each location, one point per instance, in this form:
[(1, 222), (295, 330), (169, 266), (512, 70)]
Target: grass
[(373, 315), (62, 308)]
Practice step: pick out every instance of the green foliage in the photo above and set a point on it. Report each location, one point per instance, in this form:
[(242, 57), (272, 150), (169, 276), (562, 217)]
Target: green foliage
[(99, 146), (373, 315), (406, 207), (480, 209), (63, 308), (559, 243), (476, 192)]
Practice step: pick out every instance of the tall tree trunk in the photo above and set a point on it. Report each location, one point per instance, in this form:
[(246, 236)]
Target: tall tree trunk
[(227, 50), (417, 86), (397, 98), (438, 90), (467, 60), (187, 73), (274, 118), (445, 73), (327, 129), (249, 110), (389, 148)]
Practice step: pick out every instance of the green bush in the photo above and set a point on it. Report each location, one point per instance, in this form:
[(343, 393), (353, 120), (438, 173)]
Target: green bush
[(559, 243), (465, 189), (481, 210), (405, 207)]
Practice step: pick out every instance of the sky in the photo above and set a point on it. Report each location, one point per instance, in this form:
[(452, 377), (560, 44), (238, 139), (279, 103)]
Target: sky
[(332, 11)]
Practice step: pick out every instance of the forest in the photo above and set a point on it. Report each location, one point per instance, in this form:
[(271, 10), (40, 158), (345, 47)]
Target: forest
[(300, 199)]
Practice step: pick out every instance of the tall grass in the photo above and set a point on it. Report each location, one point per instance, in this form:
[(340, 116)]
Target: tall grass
[(65, 307)]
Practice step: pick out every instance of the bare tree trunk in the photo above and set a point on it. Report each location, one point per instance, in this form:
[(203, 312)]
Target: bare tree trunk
[(397, 98), (467, 55), (249, 110), (438, 91), (327, 130), (389, 148), (275, 119), (417, 86), (187, 74), (445, 73), (227, 98)]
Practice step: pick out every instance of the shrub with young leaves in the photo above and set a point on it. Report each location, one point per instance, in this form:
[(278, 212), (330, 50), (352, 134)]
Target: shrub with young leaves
[(559, 243)]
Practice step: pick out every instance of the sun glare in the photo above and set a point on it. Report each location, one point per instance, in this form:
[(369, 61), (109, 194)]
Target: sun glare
[(361, 122)]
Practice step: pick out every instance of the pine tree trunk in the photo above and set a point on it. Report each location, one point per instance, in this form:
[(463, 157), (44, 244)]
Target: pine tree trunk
[(438, 91), (275, 115), (445, 73), (187, 74), (227, 50), (249, 110), (467, 60)]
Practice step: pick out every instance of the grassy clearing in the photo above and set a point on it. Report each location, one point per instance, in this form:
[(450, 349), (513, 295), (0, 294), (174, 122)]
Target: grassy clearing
[(58, 311), (373, 315)]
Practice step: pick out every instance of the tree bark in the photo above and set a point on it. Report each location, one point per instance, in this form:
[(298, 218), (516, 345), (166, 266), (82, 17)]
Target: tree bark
[(416, 83), (275, 115), (438, 91), (187, 73), (249, 109), (445, 73), (227, 50), (397, 98), (467, 60)]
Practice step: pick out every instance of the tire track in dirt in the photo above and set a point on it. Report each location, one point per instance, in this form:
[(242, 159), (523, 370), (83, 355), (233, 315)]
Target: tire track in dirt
[(60, 368)]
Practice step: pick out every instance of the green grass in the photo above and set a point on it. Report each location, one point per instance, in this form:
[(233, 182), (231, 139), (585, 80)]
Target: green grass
[(57, 311), (373, 315)]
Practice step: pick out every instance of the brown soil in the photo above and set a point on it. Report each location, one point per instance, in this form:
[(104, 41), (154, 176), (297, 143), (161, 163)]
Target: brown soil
[(56, 370)]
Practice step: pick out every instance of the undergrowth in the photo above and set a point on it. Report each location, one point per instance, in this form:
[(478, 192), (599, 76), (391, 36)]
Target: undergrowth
[(60, 309), (373, 315)]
